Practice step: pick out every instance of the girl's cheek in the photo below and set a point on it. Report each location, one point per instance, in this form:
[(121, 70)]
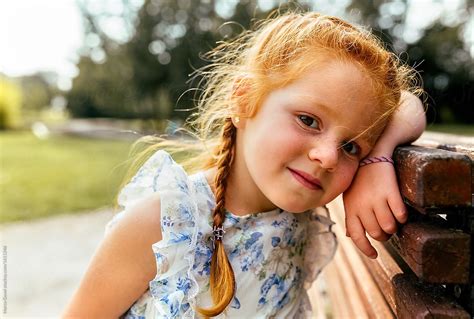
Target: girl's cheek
[(286, 140), (347, 176)]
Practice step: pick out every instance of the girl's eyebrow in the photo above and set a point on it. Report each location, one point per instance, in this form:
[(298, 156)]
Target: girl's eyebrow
[(327, 109), (311, 101)]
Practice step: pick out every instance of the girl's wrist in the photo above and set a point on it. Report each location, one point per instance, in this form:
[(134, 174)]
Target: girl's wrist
[(375, 159)]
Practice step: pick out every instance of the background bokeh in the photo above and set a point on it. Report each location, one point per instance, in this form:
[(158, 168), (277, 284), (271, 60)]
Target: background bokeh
[(80, 80), (136, 56)]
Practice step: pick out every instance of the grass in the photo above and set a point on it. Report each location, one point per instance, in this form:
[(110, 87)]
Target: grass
[(44, 177)]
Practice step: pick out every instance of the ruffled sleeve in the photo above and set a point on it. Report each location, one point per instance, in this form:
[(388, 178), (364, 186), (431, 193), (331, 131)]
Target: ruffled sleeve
[(149, 179), (322, 244), (174, 288), (320, 250)]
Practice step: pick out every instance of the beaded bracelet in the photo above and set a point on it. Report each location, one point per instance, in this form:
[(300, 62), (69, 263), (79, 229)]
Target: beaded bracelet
[(372, 160)]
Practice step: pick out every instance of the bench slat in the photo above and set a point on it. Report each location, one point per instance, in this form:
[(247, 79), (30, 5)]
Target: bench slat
[(428, 302), (372, 297), (337, 294), (406, 297), (454, 143), (435, 254), (355, 303), (450, 142), (431, 179)]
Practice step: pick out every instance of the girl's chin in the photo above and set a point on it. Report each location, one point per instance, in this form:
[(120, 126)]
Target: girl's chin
[(296, 208)]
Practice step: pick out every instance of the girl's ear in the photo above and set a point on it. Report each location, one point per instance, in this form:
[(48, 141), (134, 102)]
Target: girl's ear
[(237, 121), (240, 90)]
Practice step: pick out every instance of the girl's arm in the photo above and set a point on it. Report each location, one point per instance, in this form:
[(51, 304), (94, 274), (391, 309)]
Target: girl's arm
[(373, 202), (122, 266)]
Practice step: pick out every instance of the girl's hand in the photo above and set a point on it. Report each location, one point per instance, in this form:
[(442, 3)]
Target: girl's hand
[(373, 204)]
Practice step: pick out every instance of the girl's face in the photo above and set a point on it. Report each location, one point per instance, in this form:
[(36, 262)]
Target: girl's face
[(292, 153)]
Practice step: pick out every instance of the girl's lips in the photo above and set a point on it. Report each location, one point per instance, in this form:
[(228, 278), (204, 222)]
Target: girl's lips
[(306, 179)]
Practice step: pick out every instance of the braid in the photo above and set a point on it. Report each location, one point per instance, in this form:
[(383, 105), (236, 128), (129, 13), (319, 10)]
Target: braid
[(222, 279)]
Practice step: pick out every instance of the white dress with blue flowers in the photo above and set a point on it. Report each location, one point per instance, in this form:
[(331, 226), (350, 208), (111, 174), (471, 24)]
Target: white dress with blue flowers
[(275, 255)]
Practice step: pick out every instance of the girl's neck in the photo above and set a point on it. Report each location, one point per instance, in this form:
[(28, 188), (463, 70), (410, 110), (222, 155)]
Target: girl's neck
[(242, 196)]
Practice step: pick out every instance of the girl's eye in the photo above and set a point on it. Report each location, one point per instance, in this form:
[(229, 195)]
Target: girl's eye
[(309, 121), (351, 148)]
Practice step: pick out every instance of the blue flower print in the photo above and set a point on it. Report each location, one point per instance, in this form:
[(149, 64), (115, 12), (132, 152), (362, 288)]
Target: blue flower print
[(235, 303), (248, 252), (275, 241), (132, 316), (282, 302), (160, 287), (202, 256), (185, 213), (178, 237), (250, 223), (230, 220), (166, 221), (271, 281), (183, 186), (283, 223), (253, 239), (184, 284), (173, 301), (289, 234), (185, 307), (162, 264)]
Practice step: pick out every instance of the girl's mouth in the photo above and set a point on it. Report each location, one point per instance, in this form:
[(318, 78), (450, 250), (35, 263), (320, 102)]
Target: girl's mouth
[(306, 179)]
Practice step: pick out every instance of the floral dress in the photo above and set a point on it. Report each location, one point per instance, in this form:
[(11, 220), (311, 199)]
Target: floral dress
[(275, 255)]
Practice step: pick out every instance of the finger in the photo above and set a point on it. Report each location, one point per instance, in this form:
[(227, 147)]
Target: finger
[(357, 233), (372, 227), (397, 207), (385, 217), (347, 227)]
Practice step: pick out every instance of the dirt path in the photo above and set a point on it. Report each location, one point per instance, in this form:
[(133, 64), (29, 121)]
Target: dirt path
[(45, 261)]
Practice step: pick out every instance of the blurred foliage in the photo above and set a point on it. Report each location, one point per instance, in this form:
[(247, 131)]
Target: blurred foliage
[(36, 96), (38, 91), (147, 75), (10, 104), (439, 53)]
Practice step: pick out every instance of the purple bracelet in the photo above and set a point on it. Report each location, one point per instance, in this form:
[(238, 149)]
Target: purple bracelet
[(372, 160)]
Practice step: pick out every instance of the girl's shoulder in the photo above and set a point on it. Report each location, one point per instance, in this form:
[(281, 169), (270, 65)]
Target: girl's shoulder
[(123, 258)]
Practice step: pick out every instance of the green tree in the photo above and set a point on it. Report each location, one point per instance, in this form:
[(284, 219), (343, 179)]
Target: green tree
[(103, 89), (38, 92), (439, 53), (148, 75)]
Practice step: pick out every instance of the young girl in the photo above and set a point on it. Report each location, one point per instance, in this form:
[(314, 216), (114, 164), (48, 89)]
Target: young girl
[(289, 113)]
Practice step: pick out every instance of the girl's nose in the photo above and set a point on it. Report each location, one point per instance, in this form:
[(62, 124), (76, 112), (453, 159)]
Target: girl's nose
[(326, 154)]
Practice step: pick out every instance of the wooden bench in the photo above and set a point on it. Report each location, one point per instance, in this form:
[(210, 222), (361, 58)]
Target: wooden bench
[(426, 269)]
